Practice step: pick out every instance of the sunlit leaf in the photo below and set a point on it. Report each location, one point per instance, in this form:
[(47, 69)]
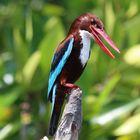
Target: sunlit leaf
[(5, 131), (116, 113), (128, 137), (132, 55), (131, 125), (8, 130)]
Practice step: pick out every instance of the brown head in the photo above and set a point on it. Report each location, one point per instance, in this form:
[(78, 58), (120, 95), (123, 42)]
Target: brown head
[(95, 28), (84, 21)]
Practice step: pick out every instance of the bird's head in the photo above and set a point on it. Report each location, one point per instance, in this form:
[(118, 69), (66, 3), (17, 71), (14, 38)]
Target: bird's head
[(94, 29)]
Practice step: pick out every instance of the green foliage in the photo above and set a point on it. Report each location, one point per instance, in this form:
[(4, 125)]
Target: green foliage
[(30, 32)]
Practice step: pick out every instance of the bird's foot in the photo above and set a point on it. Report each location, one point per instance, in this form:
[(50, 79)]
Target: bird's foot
[(68, 87)]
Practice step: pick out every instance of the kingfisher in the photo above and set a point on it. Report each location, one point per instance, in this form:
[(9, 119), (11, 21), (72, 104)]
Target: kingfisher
[(70, 59)]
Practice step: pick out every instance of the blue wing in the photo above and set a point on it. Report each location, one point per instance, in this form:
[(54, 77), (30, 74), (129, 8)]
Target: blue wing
[(59, 60)]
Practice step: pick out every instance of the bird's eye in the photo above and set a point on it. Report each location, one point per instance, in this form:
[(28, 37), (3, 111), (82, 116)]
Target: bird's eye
[(93, 22)]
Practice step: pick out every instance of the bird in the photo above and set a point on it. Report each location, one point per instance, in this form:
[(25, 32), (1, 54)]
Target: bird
[(70, 59)]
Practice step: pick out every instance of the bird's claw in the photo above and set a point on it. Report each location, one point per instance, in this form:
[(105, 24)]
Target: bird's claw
[(68, 87)]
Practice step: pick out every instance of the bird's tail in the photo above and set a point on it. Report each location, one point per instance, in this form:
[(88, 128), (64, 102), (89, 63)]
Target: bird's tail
[(58, 97)]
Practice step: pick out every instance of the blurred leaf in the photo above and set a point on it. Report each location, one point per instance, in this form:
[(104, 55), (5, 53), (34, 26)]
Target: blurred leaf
[(10, 96), (86, 76), (128, 137), (7, 113), (5, 131), (30, 67), (133, 9), (111, 16), (20, 50), (131, 125), (50, 42), (29, 26), (131, 78), (51, 9), (8, 130), (7, 98), (132, 55), (131, 32), (104, 95), (116, 113)]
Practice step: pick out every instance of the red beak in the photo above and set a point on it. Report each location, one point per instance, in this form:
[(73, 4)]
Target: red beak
[(97, 34)]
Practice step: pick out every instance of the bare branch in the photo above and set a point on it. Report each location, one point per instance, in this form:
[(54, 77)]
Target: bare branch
[(71, 120)]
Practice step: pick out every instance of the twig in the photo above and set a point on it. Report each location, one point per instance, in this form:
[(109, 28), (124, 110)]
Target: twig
[(71, 120)]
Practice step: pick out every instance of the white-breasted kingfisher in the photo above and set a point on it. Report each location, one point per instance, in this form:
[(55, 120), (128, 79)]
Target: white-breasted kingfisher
[(70, 59)]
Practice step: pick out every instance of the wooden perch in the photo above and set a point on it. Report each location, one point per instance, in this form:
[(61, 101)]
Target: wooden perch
[(71, 120)]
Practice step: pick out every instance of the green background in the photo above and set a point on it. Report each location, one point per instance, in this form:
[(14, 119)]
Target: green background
[(30, 30)]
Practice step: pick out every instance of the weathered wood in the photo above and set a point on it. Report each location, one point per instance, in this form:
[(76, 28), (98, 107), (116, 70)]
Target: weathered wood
[(71, 120)]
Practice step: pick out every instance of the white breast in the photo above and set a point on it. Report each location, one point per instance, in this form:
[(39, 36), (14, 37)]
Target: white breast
[(85, 51)]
